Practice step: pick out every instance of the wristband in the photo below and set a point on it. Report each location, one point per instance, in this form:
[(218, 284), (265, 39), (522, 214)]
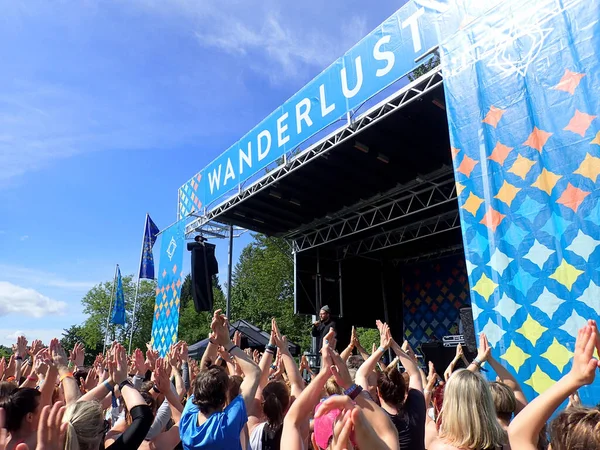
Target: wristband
[(271, 347), (231, 348), (381, 349), (32, 378), (66, 375), (476, 362), (122, 384), (108, 386), (18, 358), (353, 391), (155, 389)]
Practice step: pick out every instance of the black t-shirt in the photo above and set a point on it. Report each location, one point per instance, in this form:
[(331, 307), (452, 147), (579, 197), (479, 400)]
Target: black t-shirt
[(410, 422), (320, 331)]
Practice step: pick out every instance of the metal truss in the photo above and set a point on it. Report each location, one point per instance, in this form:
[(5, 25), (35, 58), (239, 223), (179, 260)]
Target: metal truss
[(408, 233), (403, 97), (418, 196), (455, 249), (214, 229)]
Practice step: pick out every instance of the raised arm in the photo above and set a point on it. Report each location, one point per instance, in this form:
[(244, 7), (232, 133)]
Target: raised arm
[(507, 378), (416, 382), (69, 384), (483, 354), (296, 381), (362, 374), (457, 357), (525, 428), (348, 350)]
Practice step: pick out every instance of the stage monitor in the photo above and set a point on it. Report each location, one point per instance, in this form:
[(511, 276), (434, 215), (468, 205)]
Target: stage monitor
[(204, 267)]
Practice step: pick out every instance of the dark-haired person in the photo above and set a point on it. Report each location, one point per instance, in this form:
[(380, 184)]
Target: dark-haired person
[(407, 411), (22, 408), (206, 423), (322, 326)]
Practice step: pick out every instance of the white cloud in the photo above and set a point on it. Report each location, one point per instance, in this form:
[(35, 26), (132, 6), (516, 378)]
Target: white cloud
[(27, 302), (41, 278), (9, 336)]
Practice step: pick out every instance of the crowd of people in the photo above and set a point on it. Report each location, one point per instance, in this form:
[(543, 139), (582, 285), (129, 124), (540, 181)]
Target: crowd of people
[(236, 398)]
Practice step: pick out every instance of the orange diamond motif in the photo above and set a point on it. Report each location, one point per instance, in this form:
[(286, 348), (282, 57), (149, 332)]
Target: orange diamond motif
[(522, 166), (175, 268), (589, 168), (500, 153), (546, 181), (157, 315), (162, 289), (597, 139), (493, 116), (199, 177), (459, 188), (537, 139), (572, 197), (178, 282), (492, 219), (164, 274), (580, 123), (168, 313), (173, 286), (569, 81), (454, 152), (157, 291), (467, 165)]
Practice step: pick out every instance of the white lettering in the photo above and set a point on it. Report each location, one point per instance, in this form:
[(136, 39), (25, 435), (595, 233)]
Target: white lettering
[(384, 56), (263, 154), (215, 180), (324, 108), (246, 158), (229, 173), (282, 128), (359, 79), (413, 23), (303, 115)]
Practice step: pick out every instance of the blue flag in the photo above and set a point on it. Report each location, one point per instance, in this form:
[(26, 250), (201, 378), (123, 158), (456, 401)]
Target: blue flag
[(147, 262), (118, 312)]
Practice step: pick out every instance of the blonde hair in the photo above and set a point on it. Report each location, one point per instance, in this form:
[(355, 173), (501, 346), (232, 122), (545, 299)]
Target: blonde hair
[(86, 426), (332, 388), (468, 413), (505, 401), (576, 428)]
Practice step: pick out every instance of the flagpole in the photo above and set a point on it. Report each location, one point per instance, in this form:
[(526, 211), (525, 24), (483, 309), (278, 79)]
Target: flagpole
[(137, 286), (112, 294)]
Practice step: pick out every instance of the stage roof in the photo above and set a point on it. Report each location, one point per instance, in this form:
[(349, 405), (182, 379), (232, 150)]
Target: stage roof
[(396, 149)]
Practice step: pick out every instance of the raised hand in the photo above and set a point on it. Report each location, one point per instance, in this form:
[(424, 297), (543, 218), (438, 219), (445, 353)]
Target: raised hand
[(184, 351), (59, 357), (174, 357), (385, 336), (117, 364), (2, 367), (36, 347), (459, 351), (432, 377), (583, 370), (484, 351), (151, 356), (51, 431), (161, 376), (220, 328), (78, 355), (21, 348)]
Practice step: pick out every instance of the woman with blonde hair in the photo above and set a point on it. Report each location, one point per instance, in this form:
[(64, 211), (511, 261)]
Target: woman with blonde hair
[(468, 416)]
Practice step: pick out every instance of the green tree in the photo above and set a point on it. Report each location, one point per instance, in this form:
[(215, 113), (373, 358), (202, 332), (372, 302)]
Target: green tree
[(428, 65), (368, 337), (263, 287), (96, 304)]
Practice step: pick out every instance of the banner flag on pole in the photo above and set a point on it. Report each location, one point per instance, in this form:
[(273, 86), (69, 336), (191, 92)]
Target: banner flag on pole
[(118, 312), (147, 262), (170, 279)]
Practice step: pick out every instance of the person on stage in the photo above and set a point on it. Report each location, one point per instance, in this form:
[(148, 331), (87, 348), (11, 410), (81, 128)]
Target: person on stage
[(321, 327)]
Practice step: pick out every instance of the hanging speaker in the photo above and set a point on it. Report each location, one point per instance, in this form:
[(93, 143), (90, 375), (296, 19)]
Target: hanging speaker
[(204, 267), (466, 317)]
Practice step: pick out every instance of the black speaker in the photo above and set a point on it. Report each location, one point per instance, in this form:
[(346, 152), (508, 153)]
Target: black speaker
[(204, 267), (468, 329)]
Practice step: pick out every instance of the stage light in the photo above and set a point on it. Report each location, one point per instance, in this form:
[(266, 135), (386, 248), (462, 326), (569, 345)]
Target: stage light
[(439, 104), (275, 194), (293, 201), (383, 158), (362, 147)]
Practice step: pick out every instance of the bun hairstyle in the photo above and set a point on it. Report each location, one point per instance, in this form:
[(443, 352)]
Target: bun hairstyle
[(504, 400), (332, 388), (576, 428), (85, 429), (276, 399), (18, 403), (392, 387)]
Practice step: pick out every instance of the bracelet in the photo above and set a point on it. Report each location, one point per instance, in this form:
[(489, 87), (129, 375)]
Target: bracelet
[(231, 348), (353, 391), (32, 378), (122, 384), (66, 375), (155, 389), (476, 362), (381, 349), (18, 358), (271, 347), (108, 386), (269, 351)]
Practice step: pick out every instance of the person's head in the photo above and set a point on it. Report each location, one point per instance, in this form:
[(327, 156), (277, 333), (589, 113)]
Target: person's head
[(504, 401), (210, 389), (576, 428), (22, 410), (391, 387), (324, 313), (86, 426), (235, 381), (469, 417), (332, 388), (276, 400), (150, 401), (7, 388)]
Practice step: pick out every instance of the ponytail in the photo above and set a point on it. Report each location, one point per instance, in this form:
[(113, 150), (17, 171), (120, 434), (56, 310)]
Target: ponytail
[(86, 426), (71, 440), (276, 399)]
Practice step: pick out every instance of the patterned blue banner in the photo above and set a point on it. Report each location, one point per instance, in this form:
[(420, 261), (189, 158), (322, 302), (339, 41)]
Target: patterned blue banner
[(118, 312), (147, 262), (381, 58), (168, 291), (522, 98)]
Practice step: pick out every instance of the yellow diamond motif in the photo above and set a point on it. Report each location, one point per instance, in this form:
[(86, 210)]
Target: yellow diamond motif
[(171, 303), (522, 166), (177, 301), (558, 354), (546, 181), (163, 340), (590, 167), (566, 274), (507, 193), (539, 381), (459, 188), (472, 204), (485, 287), (174, 339), (532, 330), (515, 356), (596, 139)]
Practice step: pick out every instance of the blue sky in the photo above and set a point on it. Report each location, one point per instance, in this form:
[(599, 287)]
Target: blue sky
[(107, 108)]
